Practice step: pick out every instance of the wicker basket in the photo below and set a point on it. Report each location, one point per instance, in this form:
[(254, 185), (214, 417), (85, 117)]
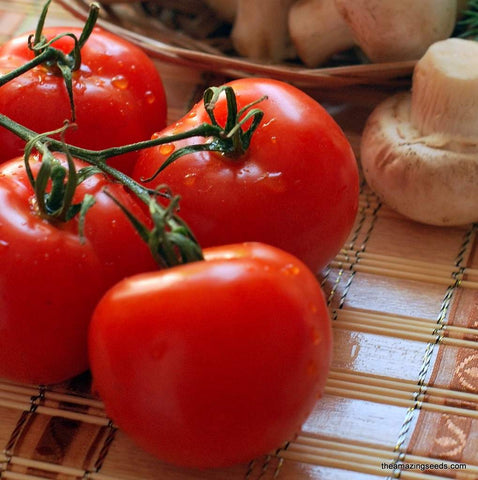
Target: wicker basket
[(186, 32)]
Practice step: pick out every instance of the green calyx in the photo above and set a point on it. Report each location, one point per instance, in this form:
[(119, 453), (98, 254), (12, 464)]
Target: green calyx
[(231, 139), (170, 240), (56, 60), (55, 184)]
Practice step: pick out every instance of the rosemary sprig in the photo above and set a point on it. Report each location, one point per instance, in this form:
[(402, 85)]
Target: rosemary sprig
[(467, 27)]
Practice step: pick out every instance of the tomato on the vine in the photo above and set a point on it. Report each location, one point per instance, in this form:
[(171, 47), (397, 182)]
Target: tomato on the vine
[(214, 362), (51, 278), (296, 186), (118, 94)]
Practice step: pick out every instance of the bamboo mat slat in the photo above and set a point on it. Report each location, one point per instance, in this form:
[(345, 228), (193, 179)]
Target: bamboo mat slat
[(403, 388)]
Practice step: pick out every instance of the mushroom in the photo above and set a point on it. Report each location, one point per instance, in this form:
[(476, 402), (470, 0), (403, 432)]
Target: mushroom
[(396, 30), (419, 149), (318, 31), (260, 29)]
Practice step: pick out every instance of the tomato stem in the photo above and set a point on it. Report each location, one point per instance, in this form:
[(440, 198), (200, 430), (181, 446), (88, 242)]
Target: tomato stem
[(46, 54), (170, 240)]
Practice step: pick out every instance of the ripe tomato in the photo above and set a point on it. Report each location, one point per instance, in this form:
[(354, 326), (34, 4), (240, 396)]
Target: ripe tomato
[(50, 281), (118, 93), (215, 362), (296, 187)]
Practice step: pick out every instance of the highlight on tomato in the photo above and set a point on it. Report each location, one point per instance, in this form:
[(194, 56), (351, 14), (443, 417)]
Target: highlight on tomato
[(287, 177), (214, 362), (117, 92), (54, 270)]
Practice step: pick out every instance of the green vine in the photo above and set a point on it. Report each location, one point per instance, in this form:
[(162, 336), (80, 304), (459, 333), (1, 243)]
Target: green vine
[(170, 240)]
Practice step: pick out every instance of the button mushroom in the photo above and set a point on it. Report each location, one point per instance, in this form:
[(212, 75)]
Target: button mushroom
[(260, 29), (419, 149), (318, 31), (396, 30)]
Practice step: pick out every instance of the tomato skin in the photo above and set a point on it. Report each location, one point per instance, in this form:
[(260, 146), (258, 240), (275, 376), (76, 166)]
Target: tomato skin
[(118, 94), (216, 362), (296, 187), (50, 281)]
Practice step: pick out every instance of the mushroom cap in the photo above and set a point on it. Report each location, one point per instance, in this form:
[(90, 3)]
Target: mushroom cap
[(397, 30), (431, 179)]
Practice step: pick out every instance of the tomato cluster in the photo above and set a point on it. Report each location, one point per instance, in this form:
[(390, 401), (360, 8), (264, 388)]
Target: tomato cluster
[(207, 363)]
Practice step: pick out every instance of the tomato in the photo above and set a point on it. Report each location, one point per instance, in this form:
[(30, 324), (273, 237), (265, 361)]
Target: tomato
[(296, 187), (118, 93), (214, 362), (51, 280)]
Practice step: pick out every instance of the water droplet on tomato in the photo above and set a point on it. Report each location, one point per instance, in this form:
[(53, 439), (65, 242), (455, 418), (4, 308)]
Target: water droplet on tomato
[(166, 149), (192, 114), (313, 308), (32, 202), (290, 269), (149, 96), (120, 82), (3, 245), (273, 181), (274, 139), (79, 86), (155, 135), (189, 179)]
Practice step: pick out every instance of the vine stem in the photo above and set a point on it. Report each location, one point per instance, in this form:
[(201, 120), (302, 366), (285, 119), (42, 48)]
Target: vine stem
[(47, 55), (170, 240), (98, 158)]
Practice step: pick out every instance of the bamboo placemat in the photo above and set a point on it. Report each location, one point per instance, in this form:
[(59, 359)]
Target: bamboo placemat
[(404, 382)]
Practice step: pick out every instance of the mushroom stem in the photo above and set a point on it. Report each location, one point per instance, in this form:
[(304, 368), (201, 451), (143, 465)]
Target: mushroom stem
[(318, 31), (445, 86), (260, 29), (420, 155)]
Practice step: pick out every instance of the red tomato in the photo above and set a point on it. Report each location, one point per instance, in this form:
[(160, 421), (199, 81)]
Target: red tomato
[(50, 281), (296, 187), (118, 94), (215, 362)]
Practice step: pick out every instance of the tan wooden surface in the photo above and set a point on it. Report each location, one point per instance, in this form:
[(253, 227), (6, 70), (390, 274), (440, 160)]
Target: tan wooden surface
[(404, 380)]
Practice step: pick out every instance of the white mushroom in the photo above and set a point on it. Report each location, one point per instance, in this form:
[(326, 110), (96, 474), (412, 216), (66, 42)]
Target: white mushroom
[(396, 30), (419, 150), (318, 31), (260, 29)]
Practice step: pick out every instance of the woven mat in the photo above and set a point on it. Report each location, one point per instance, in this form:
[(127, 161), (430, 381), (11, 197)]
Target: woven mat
[(404, 382)]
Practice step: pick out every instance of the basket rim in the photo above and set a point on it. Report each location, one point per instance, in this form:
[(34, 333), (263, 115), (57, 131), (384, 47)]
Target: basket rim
[(376, 74)]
